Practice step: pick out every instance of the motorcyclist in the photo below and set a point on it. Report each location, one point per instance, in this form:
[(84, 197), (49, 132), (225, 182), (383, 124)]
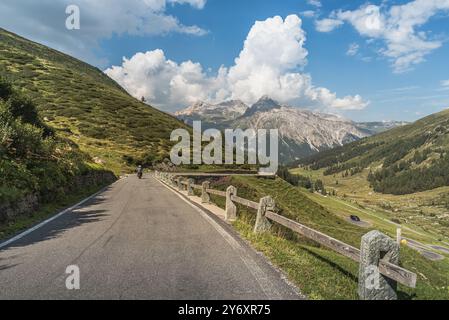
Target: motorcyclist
[(139, 172)]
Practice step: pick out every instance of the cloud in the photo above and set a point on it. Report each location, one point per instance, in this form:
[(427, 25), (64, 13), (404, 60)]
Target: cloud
[(315, 3), (270, 63), (199, 4), (396, 26), (166, 83), (444, 86), (44, 21), (400, 90), (353, 49), (272, 50), (327, 25), (308, 14)]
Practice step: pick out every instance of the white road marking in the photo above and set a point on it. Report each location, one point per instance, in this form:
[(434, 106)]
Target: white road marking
[(40, 225)]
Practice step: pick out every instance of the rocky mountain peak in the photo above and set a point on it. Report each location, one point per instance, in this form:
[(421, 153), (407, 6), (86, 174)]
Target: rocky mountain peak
[(264, 104)]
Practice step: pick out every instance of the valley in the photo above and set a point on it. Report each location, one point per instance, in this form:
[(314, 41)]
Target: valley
[(396, 178), (422, 212)]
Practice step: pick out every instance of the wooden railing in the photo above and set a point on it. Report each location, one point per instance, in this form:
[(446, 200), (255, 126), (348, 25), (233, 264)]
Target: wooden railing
[(378, 257)]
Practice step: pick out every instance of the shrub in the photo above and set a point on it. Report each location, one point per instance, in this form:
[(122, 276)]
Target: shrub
[(5, 89), (30, 160)]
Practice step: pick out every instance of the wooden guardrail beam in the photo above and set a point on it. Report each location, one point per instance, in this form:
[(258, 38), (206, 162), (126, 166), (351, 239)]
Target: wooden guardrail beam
[(245, 202), (390, 270), (334, 244), (197, 174), (216, 192), (395, 272)]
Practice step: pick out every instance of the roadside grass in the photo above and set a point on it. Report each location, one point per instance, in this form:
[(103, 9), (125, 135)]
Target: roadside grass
[(321, 273), (46, 211)]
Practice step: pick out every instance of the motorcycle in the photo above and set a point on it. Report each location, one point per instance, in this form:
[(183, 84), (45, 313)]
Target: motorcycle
[(140, 175)]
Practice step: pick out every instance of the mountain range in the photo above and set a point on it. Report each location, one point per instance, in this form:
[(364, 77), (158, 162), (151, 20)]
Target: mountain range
[(302, 132)]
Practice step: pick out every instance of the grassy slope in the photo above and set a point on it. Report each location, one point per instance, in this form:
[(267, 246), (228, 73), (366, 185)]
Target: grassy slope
[(86, 105), (425, 210), (321, 273), (38, 165), (379, 146)]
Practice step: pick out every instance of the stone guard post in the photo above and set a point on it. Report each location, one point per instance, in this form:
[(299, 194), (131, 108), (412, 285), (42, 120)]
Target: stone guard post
[(399, 236), (262, 223), (173, 181), (190, 192), (231, 208), (205, 197), (183, 184), (372, 284)]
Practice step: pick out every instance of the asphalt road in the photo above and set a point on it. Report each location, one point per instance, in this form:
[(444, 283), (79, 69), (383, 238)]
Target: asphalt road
[(138, 240)]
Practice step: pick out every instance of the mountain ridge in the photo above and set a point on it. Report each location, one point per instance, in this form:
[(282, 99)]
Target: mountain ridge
[(318, 131), (213, 113)]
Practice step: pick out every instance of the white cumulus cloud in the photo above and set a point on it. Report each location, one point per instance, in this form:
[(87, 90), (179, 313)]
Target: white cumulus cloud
[(270, 63), (166, 83), (273, 49), (397, 26)]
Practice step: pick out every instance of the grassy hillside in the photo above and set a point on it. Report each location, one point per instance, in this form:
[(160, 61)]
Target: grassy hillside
[(86, 106), (321, 273), (401, 175), (36, 164), (404, 160)]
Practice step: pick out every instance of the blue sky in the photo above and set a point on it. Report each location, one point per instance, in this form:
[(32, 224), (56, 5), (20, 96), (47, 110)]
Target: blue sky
[(383, 77)]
